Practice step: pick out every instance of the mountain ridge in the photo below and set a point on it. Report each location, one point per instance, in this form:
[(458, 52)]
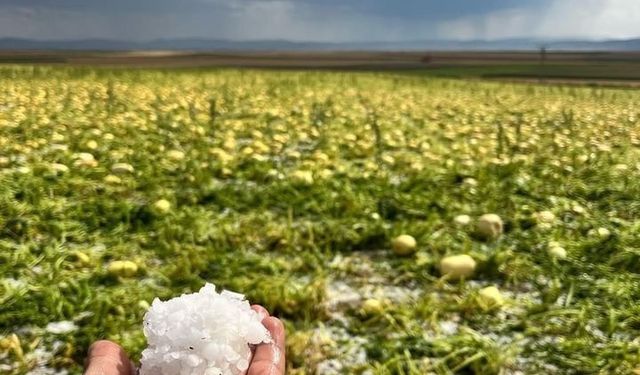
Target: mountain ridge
[(203, 44)]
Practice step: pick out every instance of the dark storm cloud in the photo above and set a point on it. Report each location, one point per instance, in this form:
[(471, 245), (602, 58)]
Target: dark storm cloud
[(432, 9), (427, 9), (326, 20)]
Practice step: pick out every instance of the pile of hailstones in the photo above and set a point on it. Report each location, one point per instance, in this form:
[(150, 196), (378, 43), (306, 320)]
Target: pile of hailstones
[(204, 333)]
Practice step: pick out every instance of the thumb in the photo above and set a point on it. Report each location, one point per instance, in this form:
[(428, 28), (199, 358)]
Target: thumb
[(108, 358)]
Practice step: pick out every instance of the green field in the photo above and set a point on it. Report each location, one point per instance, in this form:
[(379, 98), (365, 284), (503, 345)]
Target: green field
[(119, 186)]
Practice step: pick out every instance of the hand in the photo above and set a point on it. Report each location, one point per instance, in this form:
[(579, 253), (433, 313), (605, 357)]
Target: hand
[(108, 358)]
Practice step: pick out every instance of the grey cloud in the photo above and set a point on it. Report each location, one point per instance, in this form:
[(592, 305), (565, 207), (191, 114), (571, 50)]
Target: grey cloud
[(320, 20)]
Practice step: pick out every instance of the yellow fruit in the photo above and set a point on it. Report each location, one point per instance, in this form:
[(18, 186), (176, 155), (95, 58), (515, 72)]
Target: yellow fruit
[(59, 168), (544, 217), (121, 168), (111, 179), (404, 245), (457, 266), (302, 177), (12, 343), (122, 268), (489, 226), (129, 268), (462, 220), (175, 155), (372, 306), (557, 252), (490, 297), (85, 160), (601, 232), (81, 257), (162, 206), (92, 145)]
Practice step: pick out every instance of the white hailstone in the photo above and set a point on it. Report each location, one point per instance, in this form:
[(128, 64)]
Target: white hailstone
[(457, 266), (489, 226), (404, 245), (61, 327), (122, 168), (202, 333), (462, 220)]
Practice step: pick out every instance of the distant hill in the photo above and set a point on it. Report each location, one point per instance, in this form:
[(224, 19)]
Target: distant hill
[(284, 45)]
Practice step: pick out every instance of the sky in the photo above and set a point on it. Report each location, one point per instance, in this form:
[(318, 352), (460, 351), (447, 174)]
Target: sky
[(320, 20)]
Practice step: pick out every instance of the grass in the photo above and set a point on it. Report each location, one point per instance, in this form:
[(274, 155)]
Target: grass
[(289, 186)]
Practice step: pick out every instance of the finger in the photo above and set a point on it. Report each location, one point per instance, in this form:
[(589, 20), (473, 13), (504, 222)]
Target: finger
[(107, 358), (269, 359), (262, 312)]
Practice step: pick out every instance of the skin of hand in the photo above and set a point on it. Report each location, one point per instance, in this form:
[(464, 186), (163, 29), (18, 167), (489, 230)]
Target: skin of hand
[(108, 358)]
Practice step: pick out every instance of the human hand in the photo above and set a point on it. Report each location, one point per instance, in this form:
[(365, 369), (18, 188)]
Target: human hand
[(108, 358)]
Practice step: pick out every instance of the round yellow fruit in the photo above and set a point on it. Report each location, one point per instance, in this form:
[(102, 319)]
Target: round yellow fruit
[(162, 206), (302, 177), (404, 245), (558, 252), (457, 266), (544, 217), (462, 220), (489, 226), (602, 233), (111, 179), (491, 297), (122, 168), (372, 306)]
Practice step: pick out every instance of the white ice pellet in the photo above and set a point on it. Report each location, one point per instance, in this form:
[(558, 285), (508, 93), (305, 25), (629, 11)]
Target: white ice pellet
[(204, 333), (61, 327)]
